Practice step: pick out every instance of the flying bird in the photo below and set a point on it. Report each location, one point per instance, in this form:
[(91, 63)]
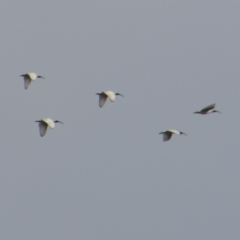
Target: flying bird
[(208, 109), (29, 77), (107, 94), (45, 123), (168, 134)]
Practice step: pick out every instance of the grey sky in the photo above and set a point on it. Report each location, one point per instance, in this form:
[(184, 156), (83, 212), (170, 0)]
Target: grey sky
[(106, 173)]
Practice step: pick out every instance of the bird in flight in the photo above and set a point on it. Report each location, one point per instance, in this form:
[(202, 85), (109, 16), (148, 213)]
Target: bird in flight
[(208, 109), (107, 94), (29, 77), (45, 123), (168, 134)]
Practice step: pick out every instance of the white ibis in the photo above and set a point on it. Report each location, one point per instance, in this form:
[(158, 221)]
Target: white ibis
[(208, 109), (45, 123), (168, 134), (29, 77), (107, 94)]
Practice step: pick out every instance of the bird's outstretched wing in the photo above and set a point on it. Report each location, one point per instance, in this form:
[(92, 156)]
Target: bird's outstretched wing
[(167, 136), (42, 128), (209, 107), (27, 82), (102, 100)]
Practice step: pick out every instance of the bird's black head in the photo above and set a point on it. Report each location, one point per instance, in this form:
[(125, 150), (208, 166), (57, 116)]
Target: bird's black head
[(183, 133), (119, 94), (23, 75), (197, 112), (56, 121), (216, 111), (40, 77)]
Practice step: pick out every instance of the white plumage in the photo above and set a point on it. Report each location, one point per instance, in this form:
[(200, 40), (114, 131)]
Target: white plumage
[(168, 134), (208, 109), (29, 77), (45, 123), (107, 94)]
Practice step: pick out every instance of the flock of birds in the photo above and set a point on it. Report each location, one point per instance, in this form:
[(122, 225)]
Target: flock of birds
[(103, 96)]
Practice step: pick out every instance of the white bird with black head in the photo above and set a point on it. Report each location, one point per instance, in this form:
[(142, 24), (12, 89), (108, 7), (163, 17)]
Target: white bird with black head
[(107, 94), (208, 109), (45, 123), (168, 134), (29, 77)]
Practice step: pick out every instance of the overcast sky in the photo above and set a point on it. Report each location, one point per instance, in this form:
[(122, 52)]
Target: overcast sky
[(106, 174)]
